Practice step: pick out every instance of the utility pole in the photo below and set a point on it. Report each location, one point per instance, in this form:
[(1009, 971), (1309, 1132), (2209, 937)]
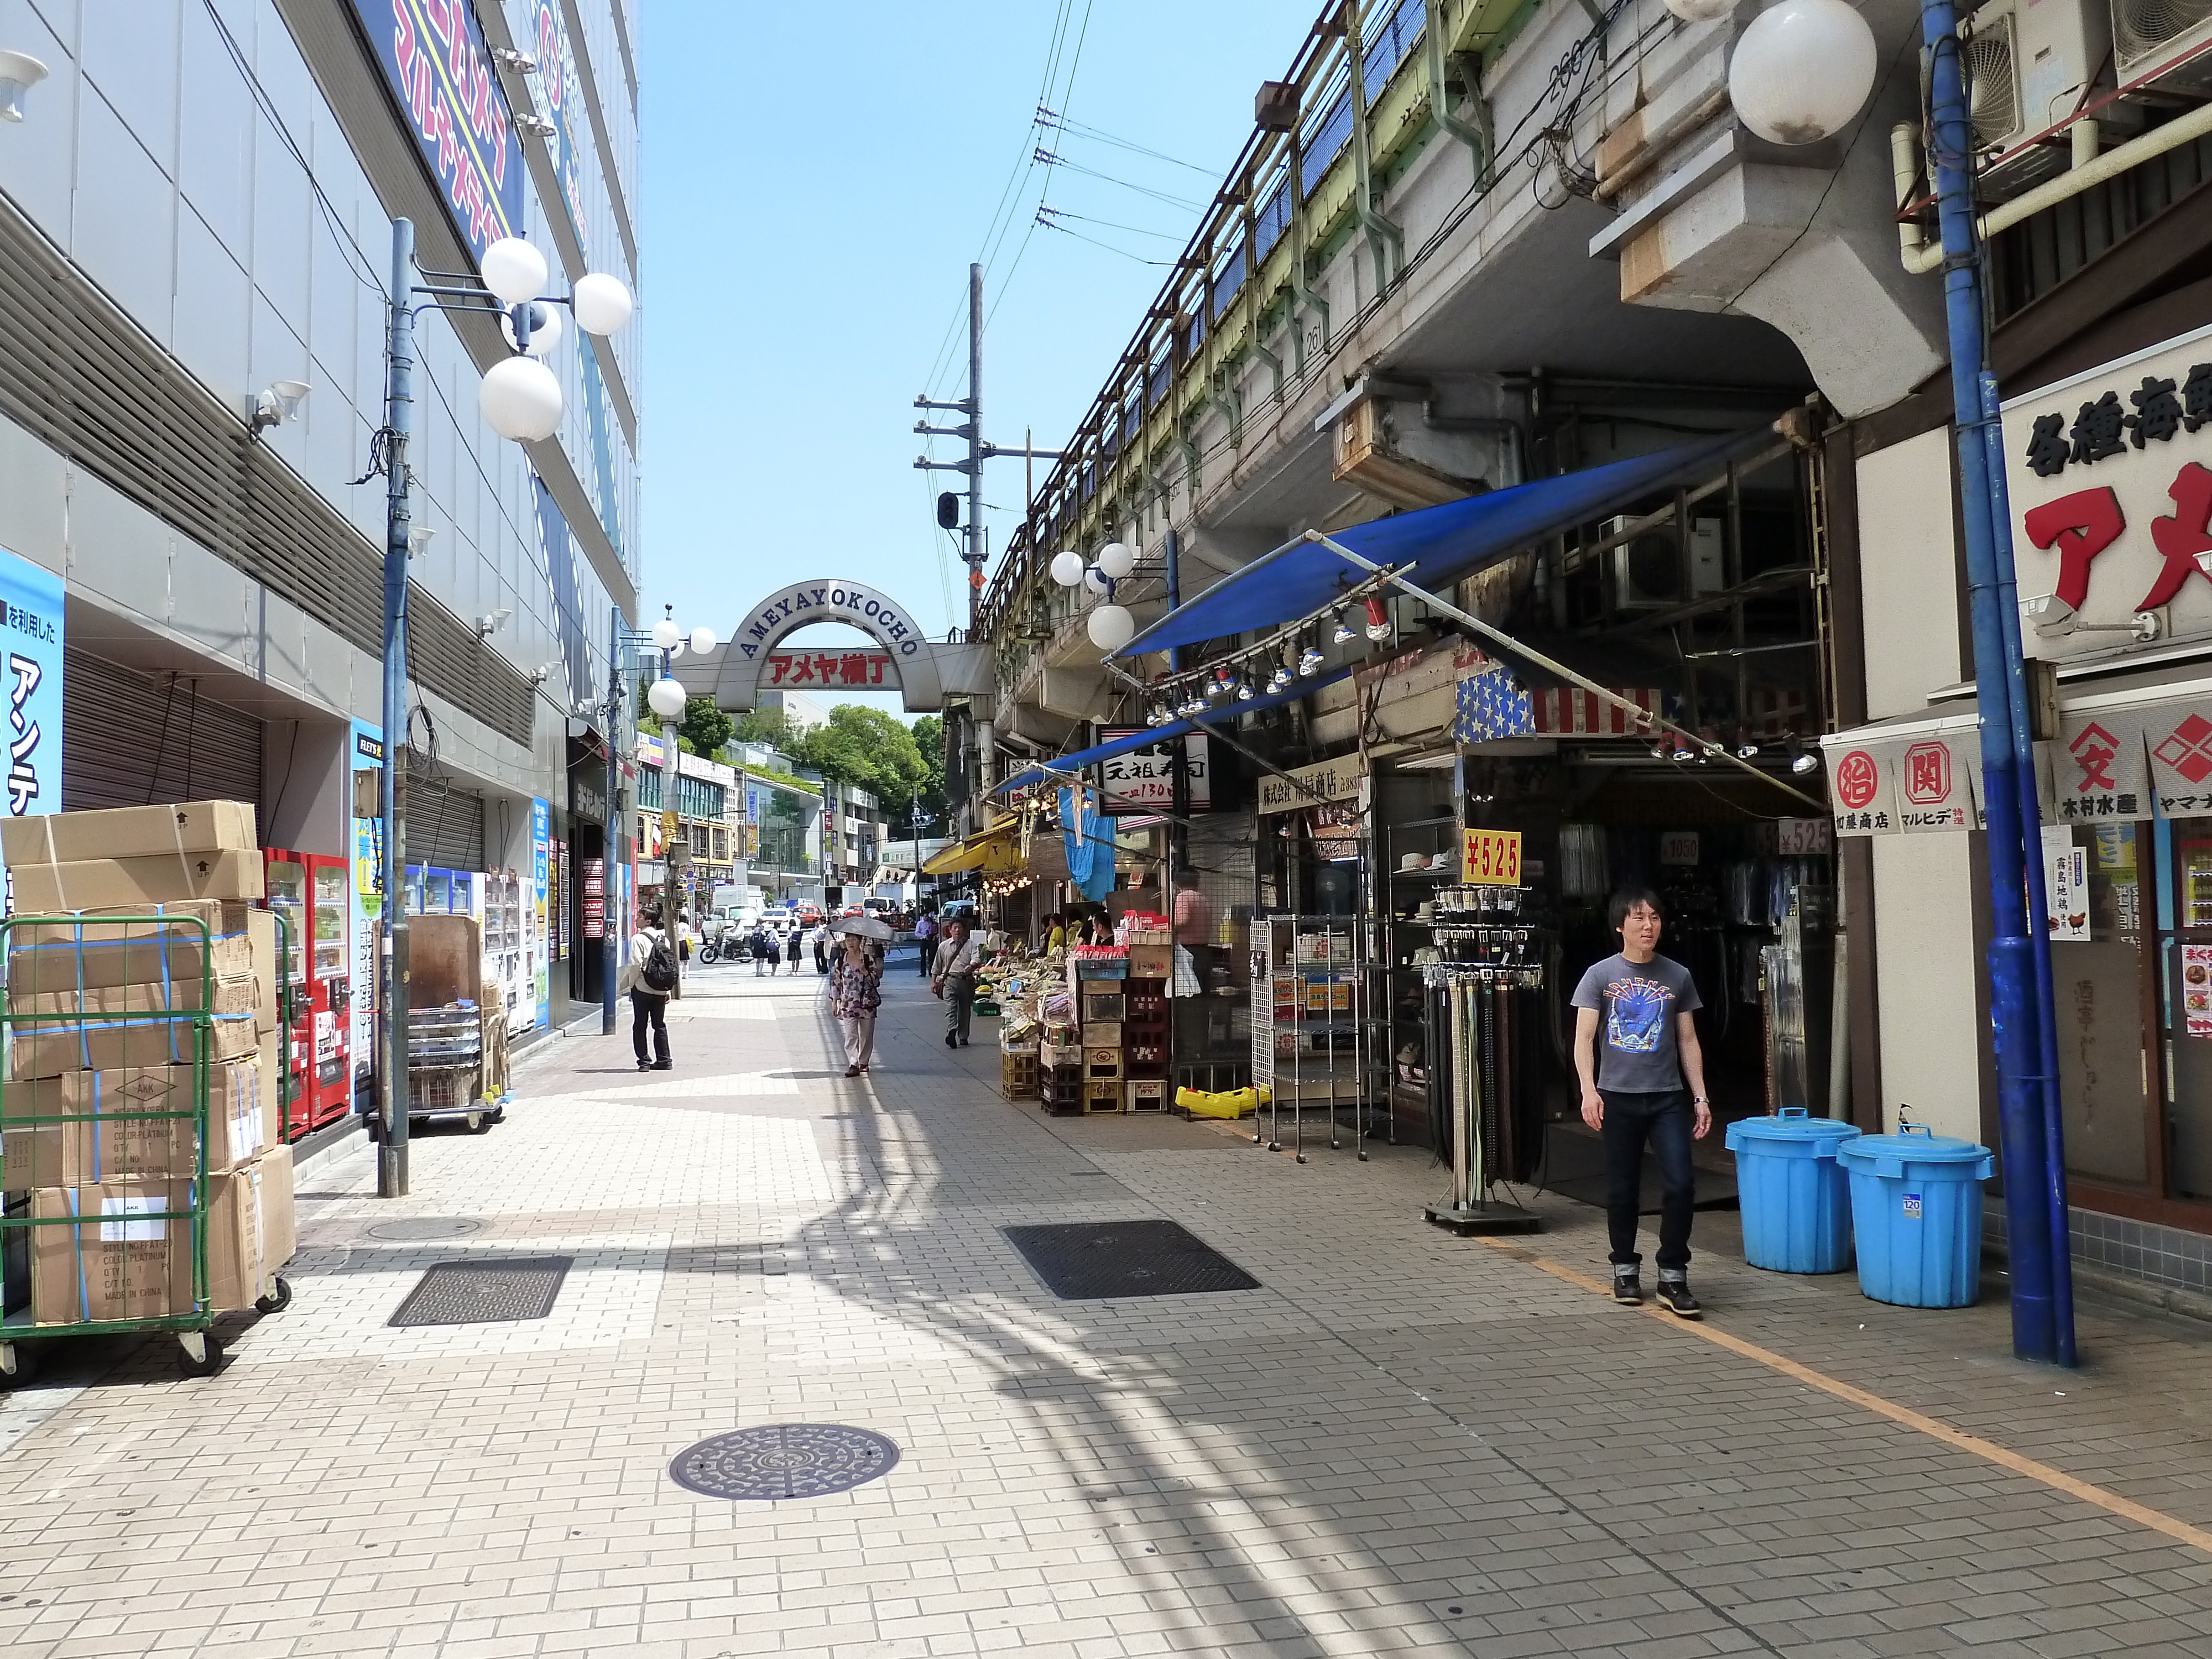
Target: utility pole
[(978, 452), (617, 830), (399, 528)]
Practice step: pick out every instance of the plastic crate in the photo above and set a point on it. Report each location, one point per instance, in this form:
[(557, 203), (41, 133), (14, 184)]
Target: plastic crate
[(1099, 1096), (1061, 1089), (1148, 1094), (1017, 1076), (1104, 1007)]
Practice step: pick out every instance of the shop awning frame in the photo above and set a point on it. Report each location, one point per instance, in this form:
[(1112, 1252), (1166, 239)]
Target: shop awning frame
[(1435, 546)]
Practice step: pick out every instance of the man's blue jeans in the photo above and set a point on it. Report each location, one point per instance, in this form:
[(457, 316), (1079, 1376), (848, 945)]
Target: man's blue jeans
[(1631, 1119)]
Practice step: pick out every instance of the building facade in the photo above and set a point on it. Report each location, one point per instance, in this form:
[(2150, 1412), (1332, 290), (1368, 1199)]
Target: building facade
[(198, 209)]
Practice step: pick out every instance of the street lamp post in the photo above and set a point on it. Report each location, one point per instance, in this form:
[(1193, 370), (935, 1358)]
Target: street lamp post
[(667, 699), (520, 398)]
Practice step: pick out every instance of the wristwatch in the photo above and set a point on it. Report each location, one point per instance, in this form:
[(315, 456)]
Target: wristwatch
[(1699, 1100)]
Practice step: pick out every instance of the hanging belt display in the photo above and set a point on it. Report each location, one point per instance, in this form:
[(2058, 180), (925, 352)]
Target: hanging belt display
[(1483, 997)]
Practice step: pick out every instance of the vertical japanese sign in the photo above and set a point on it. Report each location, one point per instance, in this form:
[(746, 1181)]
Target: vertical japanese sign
[(1144, 779), (31, 623), (2066, 876), (365, 894), (434, 60), (537, 899), (595, 898)]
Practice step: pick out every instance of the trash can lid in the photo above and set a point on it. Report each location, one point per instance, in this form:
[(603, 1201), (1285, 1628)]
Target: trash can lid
[(1791, 1123), (1914, 1142)]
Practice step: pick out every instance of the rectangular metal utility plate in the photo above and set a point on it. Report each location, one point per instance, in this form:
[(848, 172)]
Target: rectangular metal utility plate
[(1082, 1260), (485, 1291)]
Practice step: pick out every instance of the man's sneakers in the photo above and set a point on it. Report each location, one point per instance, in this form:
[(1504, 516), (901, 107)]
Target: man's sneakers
[(1673, 1292)]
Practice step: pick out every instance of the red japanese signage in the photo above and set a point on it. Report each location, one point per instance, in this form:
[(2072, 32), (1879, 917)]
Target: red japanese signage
[(857, 669), (1858, 779), (2110, 476)]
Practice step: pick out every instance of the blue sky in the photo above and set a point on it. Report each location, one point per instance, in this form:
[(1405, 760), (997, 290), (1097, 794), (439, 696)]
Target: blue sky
[(814, 192)]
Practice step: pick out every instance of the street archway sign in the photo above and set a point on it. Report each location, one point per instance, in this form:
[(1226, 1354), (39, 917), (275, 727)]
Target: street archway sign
[(925, 670)]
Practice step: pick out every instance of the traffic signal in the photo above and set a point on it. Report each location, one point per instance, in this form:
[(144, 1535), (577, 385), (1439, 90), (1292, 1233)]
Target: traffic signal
[(948, 511)]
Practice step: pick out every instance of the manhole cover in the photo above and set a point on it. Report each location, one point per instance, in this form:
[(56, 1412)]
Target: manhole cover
[(783, 1460), (1087, 1258), (419, 1229), (485, 1292)]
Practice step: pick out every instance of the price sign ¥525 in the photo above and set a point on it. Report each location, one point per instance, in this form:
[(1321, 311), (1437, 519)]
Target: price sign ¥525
[(1491, 858)]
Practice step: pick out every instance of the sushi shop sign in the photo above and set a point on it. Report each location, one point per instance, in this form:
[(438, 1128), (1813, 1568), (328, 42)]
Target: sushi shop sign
[(2110, 478)]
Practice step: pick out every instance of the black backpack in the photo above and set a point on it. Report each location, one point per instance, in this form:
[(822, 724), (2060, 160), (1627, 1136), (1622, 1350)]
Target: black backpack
[(660, 971)]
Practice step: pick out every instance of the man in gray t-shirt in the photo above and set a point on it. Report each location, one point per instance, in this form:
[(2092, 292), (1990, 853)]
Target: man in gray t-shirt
[(1634, 1045)]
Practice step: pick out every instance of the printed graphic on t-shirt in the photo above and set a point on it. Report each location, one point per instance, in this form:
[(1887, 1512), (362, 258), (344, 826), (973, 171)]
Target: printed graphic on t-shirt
[(1635, 1017)]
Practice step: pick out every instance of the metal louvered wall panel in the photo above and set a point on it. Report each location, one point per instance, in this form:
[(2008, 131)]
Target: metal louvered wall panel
[(445, 822), (129, 738), (80, 376)]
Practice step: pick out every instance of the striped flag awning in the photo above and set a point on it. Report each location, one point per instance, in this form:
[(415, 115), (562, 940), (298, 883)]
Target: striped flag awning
[(1570, 712)]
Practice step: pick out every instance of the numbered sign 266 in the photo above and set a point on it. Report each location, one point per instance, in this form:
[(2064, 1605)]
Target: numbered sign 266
[(1491, 858)]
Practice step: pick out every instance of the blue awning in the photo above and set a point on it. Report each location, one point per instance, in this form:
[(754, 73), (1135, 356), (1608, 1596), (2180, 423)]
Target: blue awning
[(1065, 765), (1440, 544)]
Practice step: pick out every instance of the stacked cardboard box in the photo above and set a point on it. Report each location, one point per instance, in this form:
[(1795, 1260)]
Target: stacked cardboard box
[(102, 1043)]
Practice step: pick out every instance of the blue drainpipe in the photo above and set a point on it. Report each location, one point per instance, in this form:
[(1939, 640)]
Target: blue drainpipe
[(2018, 974)]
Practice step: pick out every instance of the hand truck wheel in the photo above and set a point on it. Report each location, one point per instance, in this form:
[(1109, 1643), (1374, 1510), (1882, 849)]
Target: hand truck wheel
[(479, 1123), (198, 1353), (17, 1365), (277, 1302)]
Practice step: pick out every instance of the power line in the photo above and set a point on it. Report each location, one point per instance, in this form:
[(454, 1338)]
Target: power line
[(1053, 225), (1048, 159), (1098, 135), (1054, 213)]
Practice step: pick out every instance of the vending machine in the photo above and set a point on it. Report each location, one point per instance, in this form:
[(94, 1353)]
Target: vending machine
[(314, 893)]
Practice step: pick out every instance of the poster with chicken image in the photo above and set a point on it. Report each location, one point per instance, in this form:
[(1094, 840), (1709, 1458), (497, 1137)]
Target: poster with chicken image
[(2066, 876)]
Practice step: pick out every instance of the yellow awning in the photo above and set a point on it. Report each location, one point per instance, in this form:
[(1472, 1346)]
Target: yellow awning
[(995, 852)]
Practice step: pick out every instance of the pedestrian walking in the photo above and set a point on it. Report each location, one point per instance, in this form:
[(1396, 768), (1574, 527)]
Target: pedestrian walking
[(856, 991), (821, 947), (1633, 1092), (760, 945), (650, 977), (793, 942), (925, 937), (954, 978)]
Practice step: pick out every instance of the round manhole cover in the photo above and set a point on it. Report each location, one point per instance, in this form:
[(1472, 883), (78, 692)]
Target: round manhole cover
[(783, 1460), (424, 1228)]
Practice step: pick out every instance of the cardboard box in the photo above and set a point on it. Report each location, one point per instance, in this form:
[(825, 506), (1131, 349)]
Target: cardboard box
[(129, 832), (268, 970), (124, 1248), (269, 1077), (136, 1040), (59, 956), (237, 996), (91, 1144), (92, 883), (1151, 961), (119, 1249)]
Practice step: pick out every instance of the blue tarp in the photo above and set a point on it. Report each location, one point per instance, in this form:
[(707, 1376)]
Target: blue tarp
[(1090, 854), (1063, 765), (1440, 544)]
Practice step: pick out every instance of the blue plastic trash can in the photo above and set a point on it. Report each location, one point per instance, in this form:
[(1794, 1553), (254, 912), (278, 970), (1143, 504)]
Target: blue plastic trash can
[(1797, 1201), (1917, 1207)]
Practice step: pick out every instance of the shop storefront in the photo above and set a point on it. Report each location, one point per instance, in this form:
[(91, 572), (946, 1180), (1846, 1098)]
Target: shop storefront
[(583, 869)]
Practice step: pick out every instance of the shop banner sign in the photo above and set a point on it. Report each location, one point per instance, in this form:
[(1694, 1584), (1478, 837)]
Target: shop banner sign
[(2197, 989), (2100, 768), (1491, 858), (1144, 779), (434, 60), (2066, 884), (31, 609), (1311, 785), (2179, 738), (541, 858), (2110, 475), (1938, 784), (1861, 788)]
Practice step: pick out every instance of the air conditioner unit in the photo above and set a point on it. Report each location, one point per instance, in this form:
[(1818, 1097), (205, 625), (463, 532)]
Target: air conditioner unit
[(1647, 570), (2029, 64), (2151, 37)]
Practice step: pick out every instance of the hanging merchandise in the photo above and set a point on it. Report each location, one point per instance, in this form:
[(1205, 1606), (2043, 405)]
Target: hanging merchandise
[(1582, 872), (1484, 1004), (1089, 841)]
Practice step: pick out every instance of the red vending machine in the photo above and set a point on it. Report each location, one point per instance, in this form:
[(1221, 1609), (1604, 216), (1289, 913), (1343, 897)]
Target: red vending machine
[(310, 889)]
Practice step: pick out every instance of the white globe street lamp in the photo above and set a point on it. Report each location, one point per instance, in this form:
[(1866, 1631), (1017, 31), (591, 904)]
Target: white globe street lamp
[(513, 269), (1115, 561), (1802, 70), (520, 399), (602, 304), (667, 699), (1110, 628), (1067, 568)]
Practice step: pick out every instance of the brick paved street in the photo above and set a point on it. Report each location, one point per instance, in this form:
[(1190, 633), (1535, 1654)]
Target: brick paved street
[(1402, 1442)]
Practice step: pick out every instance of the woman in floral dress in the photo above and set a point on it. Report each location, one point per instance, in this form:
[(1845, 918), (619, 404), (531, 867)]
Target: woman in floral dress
[(855, 992)]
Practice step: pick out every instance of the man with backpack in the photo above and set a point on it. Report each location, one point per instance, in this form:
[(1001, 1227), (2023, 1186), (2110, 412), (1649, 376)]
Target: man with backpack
[(652, 974)]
